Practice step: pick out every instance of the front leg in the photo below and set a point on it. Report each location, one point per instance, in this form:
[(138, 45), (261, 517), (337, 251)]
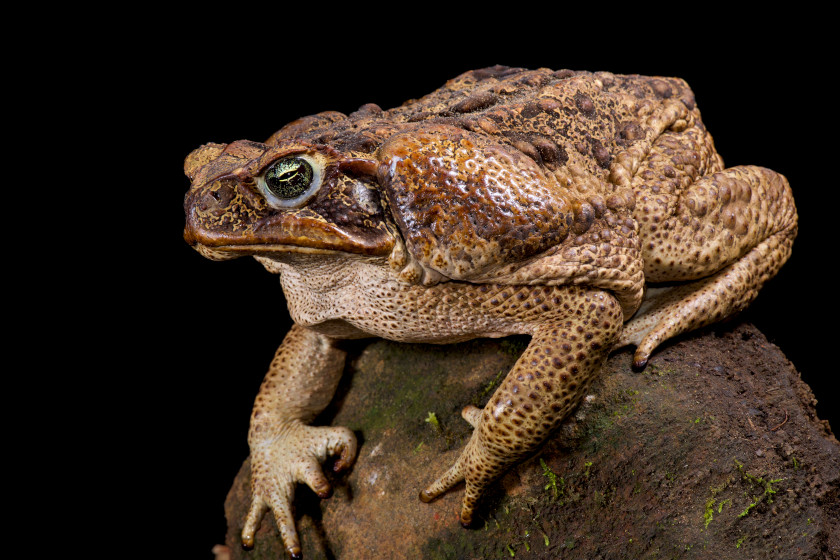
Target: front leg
[(571, 340), (300, 383)]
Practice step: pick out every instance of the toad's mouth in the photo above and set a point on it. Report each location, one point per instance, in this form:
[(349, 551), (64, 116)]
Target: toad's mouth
[(285, 233), (229, 252)]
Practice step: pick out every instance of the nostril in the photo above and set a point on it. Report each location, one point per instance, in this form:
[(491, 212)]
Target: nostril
[(219, 195)]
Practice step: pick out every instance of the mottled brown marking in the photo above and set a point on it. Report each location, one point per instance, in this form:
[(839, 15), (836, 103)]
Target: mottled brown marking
[(475, 102), (585, 104)]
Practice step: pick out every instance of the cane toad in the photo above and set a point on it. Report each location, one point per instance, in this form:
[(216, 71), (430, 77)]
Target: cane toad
[(587, 210)]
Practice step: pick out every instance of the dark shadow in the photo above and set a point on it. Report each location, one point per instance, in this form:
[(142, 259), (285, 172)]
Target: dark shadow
[(308, 504)]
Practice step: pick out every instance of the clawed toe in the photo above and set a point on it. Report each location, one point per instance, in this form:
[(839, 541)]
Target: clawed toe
[(640, 361), (471, 414), (461, 471), (446, 481)]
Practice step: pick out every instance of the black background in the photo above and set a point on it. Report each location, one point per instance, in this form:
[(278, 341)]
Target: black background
[(184, 342)]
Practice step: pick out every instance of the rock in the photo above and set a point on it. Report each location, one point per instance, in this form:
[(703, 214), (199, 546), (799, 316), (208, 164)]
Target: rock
[(713, 451)]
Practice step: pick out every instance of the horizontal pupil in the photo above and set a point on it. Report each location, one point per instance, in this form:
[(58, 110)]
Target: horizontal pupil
[(288, 179)]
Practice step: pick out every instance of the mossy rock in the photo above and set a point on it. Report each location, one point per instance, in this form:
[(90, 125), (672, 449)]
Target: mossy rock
[(713, 451)]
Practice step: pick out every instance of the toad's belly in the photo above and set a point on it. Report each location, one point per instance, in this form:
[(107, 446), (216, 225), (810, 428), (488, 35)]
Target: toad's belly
[(444, 313), (450, 312)]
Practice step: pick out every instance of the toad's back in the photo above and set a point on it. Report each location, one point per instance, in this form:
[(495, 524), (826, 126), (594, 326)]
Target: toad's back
[(558, 118), (575, 137)]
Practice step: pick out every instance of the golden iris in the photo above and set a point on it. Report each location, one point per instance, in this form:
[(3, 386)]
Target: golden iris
[(289, 178)]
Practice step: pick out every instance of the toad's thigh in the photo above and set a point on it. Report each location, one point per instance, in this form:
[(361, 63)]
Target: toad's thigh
[(719, 219)]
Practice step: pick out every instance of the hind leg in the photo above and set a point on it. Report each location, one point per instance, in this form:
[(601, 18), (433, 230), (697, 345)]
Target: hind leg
[(730, 232)]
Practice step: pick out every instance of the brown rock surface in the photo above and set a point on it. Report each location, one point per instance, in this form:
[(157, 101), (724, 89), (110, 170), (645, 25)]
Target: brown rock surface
[(713, 451)]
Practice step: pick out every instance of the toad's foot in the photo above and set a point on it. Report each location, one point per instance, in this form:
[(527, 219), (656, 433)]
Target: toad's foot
[(477, 465), (567, 348), (280, 460)]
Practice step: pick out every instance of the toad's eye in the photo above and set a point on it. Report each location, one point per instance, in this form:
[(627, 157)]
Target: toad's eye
[(288, 178), (290, 182)]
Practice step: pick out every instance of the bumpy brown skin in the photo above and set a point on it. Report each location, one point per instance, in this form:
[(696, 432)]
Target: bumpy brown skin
[(509, 201)]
